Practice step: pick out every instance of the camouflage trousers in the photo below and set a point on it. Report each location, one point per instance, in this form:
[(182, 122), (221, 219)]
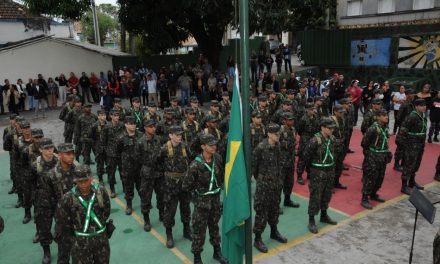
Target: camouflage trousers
[(174, 195), (412, 158), (112, 164), (321, 182), (85, 151), (301, 162), (347, 140), (78, 150), (398, 155), (206, 214), (267, 204), (43, 219), (373, 172), (68, 133), (27, 184), (130, 180), (12, 170), (148, 185), (91, 250), (100, 163), (287, 176), (339, 156), (64, 247)]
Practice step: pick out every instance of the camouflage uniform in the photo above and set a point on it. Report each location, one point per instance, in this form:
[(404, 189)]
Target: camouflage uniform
[(307, 126), (177, 113), (122, 112), (301, 100), (138, 117), (68, 126), (154, 116), (190, 134), (404, 110), (325, 107), (225, 107), (126, 146), (258, 134), (287, 157), (349, 124), (72, 118), (376, 157), (70, 217), (436, 248), (100, 151), (163, 129), (413, 130), (277, 116), (111, 135), (148, 149), (207, 204), (8, 134), (369, 119), (339, 147), (24, 176), (83, 134), (13, 141)]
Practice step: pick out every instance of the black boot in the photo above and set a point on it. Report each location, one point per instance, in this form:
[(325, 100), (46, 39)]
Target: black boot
[(19, 201), (405, 188), (437, 176), (275, 235), (289, 203), (112, 190), (101, 180), (300, 180), (325, 218), (197, 258), (436, 138), (412, 183), (312, 226), (187, 232), (429, 139), (129, 209), (258, 244), (147, 225), (365, 203), (46, 255), (27, 215), (36, 238), (13, 190), (218, 255), (397, 167), (170, 239), (377, 198)]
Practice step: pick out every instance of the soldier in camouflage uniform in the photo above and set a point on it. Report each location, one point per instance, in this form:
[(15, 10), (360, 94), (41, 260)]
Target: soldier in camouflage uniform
[(206, 168), (56, 183), (339, 147), (174, 160), (258, 130), (214, 110), (199, 114), (12, 142), (319, 157), (151, 113), (267, 171), (318, 100), (164, 126), (405, 109), (349, 122), (370, 115), (287, 157), (413, 134), (191, 129), (130, 169), (211, 128), (148, 149), (376, 157), (176, 109), (118, 107), (23, 169), (43, 210), (307, 126), (97, 136), (137, 112), (326, 103), (83, 132), (272, 102), (286, 106), (81, 217), (301, 99), (72, 118), (111, 134), (225, 104), (7, 146), (68, 127), (263, 109)]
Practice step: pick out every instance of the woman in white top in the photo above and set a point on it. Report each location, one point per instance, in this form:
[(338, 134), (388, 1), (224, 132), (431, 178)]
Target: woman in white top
[(398, 99), (152, 89)]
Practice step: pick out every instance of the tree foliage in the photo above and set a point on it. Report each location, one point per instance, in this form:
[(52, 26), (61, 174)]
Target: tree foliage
[(59, 8), (106, 23)]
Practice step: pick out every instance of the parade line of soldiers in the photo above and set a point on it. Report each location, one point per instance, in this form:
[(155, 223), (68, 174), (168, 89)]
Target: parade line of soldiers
[(180, 156)]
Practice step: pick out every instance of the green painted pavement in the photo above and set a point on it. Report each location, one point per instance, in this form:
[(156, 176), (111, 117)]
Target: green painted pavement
[(130, 243)]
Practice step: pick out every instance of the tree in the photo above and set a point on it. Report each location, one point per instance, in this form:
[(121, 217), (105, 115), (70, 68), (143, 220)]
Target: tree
[(59, 8), (106, 25)]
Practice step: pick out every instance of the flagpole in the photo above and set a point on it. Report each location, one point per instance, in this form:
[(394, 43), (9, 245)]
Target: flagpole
[(244, 58)]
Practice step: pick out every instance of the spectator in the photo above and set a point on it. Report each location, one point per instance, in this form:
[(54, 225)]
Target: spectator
[(386, 96), (12, 99), (340, 88), (152, 89), (106, 102), (269, 62), (425, 94), (21, 90), (172, 80), (434, 117), (130, 85), (143, 87), (75, 92), (254, 67), (2, 90), (367, 95), (312, 90), (113, 87), (53, 95), (212, 86), (162, 86), (287, 58), (356, 96), (30, 93), (279, 60), (73, 81), (40, 98), (398, 99), (275, 83), (62, 88), (85, 86), (42, 82), (292, 83), (332, 87), (94, 87), (184, 83), (230, 64), (200, 87), (261, 61)]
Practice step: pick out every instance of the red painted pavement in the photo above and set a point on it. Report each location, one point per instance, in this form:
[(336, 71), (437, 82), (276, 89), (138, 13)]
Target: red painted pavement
[(348, 201)]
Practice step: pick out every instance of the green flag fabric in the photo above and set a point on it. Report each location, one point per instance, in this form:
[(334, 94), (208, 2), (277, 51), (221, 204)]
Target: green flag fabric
[(236, 206)]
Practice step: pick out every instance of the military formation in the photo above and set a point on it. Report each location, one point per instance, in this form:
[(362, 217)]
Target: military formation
[(179, 155)]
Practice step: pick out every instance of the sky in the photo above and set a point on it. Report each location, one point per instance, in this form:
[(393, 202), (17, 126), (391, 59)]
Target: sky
[(98, 2)]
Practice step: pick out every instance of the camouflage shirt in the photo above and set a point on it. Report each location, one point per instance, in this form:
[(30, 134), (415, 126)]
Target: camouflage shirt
[(287, 146), (266, 163), (83, 128), (369, 119), (111, 135), (319, 151), (126, 146), (98, 135), (307, 126), (257, 135), (174, 159), (56, 183), (148, 149)]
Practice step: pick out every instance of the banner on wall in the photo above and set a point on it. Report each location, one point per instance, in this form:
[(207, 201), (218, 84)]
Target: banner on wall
[(370, 52), (419, 52)]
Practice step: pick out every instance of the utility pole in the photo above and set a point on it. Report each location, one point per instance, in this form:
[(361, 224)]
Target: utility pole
[(95, 23), (244, 56)]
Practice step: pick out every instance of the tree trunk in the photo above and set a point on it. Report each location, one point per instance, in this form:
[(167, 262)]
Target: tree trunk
[(210, 44), (123, 38)]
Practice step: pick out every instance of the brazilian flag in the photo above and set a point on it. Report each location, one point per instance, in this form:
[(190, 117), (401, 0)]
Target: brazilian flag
[(236, 207)]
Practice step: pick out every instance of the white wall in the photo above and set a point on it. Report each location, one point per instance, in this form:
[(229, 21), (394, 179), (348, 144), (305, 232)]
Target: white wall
[(16, 31)]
